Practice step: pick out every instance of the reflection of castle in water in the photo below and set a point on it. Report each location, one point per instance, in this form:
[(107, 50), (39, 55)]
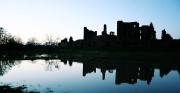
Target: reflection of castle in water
[(65, 61), (126, 72)]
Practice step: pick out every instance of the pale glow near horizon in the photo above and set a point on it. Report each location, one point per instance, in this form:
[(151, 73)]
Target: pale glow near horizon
[(65, 18)]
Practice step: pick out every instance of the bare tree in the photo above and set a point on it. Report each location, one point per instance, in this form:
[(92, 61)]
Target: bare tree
[(32, 41), (18, 40), (6, 38), (13, 40), (50, 41)]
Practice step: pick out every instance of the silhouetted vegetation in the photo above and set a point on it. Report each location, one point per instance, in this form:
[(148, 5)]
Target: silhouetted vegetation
[(11, 89), (33, 42), (51, 42), (70, 41), (12, 43), (64, 40), (20, 89), (6, 65), (9, 42), (165, 36), (153, 32)]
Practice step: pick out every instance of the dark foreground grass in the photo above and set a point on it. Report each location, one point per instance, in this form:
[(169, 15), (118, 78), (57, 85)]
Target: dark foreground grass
[(7, 88), (10, 89)]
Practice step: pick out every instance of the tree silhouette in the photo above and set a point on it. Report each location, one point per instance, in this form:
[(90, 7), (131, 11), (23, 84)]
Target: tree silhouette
[(7, 38), (1, 32), (3, 39), (50, 41), (32, 41), (153, 32), (64, 40), (13, 40), (165, 36), (168, 37), (70, 41)]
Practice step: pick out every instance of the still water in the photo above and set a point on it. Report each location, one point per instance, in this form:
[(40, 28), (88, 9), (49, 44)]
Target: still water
[(63, 76)]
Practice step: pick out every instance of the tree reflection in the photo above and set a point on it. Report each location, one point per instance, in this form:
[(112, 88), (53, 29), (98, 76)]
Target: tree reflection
[(64, 61), (70, 62), (50, 64), (6, 65)]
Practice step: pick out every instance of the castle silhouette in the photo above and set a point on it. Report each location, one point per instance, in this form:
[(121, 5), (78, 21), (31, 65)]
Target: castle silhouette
[(129, 34)]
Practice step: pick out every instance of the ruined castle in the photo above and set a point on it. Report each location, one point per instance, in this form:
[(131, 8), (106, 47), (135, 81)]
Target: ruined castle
[(129, 34)]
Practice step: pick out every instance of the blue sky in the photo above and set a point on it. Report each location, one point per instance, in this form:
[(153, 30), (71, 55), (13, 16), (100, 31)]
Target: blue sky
[(65, 18)]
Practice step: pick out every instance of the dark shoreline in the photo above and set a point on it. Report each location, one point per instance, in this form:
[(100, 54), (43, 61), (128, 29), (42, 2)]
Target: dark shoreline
[(135, 54)]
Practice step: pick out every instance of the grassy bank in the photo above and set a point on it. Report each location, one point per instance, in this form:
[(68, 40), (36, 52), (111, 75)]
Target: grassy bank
[(135, 54)]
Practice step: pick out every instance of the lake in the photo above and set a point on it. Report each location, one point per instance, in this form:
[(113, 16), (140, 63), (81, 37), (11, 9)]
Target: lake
[(88, 76)]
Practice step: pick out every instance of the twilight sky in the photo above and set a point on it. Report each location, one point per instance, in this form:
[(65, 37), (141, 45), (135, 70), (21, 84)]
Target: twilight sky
[(65, 18)]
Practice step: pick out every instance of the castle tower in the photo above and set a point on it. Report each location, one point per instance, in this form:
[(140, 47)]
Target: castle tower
[(85, 34), (104, 32), (119, 30)]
